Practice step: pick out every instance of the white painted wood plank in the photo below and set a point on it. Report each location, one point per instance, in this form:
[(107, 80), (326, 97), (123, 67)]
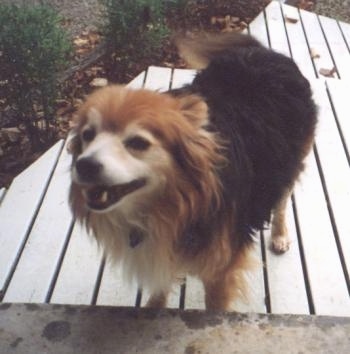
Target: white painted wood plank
[(182, 77), (158, 78), (79, 271), (285, 274), (256, 296), (18, 209), (337, 45), (258, 29), (114, 290), (317, 41), (194, 295), (287, 289), (334, 163), (339, 91), (37, 265), (327, 283), (345, 28), (277, 32), (297, 41), (137, 82), (2, 194), (174, 297)]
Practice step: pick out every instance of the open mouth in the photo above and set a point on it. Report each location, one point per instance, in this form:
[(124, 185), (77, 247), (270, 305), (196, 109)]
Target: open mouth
[(102, 197)]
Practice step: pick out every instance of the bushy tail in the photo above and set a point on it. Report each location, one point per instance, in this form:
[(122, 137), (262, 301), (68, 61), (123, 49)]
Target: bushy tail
[(199, 51)]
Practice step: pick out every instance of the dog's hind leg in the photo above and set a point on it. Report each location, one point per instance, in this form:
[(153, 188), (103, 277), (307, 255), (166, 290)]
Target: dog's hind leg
[(279, 231)]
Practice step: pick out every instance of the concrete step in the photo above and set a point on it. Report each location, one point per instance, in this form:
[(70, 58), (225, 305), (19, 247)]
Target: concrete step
[(31, 328)]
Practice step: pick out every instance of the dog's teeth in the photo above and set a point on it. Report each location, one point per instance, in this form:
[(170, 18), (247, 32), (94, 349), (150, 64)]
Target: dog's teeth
[(104, 197)]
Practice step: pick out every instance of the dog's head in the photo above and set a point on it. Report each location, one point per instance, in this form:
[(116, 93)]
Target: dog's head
[(129, 146)]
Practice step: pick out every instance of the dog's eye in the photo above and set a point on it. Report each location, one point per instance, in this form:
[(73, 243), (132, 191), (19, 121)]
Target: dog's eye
[(88, 134), (137, 143)]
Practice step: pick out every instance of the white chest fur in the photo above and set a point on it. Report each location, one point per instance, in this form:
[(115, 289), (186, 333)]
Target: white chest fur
[(148, 260)]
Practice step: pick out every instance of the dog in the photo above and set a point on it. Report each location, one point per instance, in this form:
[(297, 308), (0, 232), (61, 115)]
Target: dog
[(177, 183)]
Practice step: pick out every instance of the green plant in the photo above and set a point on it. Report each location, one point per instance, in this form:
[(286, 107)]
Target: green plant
[(134, 30), (33, 50)]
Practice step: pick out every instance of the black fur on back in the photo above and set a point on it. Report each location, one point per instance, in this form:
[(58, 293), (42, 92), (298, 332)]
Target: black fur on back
[(261, 105)]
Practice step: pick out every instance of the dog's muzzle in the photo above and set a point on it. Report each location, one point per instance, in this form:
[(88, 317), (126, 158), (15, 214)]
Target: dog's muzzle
[(98, 194)]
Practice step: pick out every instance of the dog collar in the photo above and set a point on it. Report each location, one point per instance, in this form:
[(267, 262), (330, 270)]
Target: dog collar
[(136, 236)]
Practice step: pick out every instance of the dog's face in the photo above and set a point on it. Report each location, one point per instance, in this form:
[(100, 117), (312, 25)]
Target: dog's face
[(128, 145)]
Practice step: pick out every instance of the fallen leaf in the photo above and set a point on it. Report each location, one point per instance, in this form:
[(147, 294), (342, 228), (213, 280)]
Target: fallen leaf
[(328, 72), (94, 38), (235, 19), (220, 20), (80, 42), (227, 29), (306, 5), (290, 19), (81, 51)]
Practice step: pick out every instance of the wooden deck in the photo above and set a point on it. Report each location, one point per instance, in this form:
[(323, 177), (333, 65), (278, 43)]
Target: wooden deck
[(45, 257)]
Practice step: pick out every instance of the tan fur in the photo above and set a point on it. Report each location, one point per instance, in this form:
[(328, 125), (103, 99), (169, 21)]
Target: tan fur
[(279, 231), (191, 191), (199, 50)]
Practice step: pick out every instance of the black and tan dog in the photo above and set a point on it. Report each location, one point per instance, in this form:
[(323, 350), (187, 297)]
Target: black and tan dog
[(176, 183)]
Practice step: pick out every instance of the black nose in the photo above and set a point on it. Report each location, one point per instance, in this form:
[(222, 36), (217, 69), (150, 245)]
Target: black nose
[(88, 169)]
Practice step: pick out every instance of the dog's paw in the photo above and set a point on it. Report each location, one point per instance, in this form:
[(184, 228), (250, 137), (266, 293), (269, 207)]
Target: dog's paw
[(280, 244)]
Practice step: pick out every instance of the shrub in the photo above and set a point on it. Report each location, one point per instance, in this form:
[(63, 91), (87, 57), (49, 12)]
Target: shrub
[(134, 30), (33, 50)]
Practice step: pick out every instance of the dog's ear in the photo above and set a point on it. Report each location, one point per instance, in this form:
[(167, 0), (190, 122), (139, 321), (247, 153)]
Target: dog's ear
[(195, 110), (197, 154)]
